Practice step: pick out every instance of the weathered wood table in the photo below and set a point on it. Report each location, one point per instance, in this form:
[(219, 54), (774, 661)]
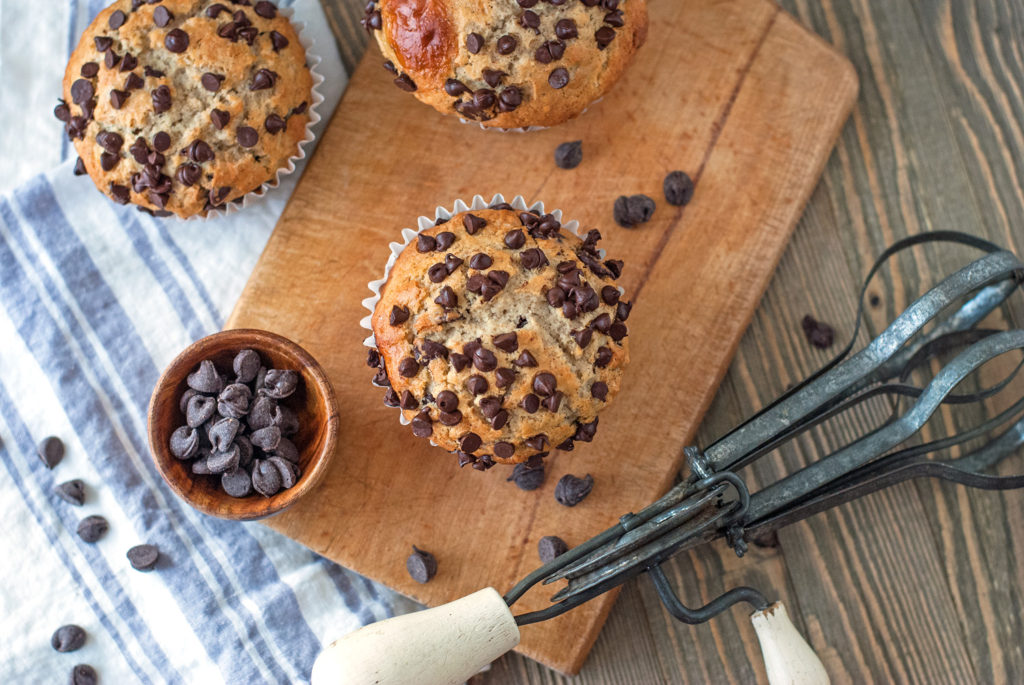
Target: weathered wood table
[(923, 582)]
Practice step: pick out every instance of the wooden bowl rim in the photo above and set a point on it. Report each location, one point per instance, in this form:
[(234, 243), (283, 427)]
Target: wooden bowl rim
[(250, 508)]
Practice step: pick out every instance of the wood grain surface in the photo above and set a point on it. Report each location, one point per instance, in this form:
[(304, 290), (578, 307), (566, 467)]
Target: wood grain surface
[(924, 583), (753, 122)]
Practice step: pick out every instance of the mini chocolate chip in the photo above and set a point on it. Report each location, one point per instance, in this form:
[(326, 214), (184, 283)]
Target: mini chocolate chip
[(622, 310), (50, 451), (569, 155), (474, 43), (162, 16), (470, 442), (571, 490), (550, 548), (447, 401), (525, 477), (632, 210), (566, 29), (507, 342), (559, 78), (92, 528), (447, 299), (604, 36), (211, 81), (473, 223), (264, 78), (678, 188), (459, 361), (599, 390), (278, 41), (68, 638), (176, 40), (492, 77), (476, 384), (116, 19), (480, 261), (161, 99), (219, 118), (143, 557), (818, 333), (544, 384), (507, 44), (408, 367), (421, 565), (246, 136), (72, 492), (530, 20), (504, 377), (404, 82), (274, 123)]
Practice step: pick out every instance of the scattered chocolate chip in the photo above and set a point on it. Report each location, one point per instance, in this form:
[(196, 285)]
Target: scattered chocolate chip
[(818, 333), (678, 188), (622, 310), (610, 294), (246, 136), (62, 112), (83, 674), (408, 401), (480, 261), (421, 565), (632, 210), (399, 315), (92, 528), (569, 155), (617, 331), (451, 263), (68, 638), (150, 71), (50, 451), (559, 78), (90, 69), (176, 41), (586, 431), (527, 478), (571, 490), (474, 43), (143, 557), (615, 18), (116, 19), (119, 193), (550, 548), (507, 44), (484, 360), (72, 492)]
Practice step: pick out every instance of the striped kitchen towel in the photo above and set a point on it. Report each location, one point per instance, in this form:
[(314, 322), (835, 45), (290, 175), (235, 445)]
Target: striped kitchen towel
[(95, 299)]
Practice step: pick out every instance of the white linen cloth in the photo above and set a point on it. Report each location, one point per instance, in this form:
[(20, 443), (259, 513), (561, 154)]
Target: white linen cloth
[(95, 299)]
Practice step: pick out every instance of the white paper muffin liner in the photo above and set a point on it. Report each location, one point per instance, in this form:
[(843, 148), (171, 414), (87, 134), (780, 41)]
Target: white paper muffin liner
[(312, 62), (425, 222)]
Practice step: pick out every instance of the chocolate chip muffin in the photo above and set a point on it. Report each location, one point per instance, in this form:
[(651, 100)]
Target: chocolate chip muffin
[(501, 335), (507, 64), (181, 106)]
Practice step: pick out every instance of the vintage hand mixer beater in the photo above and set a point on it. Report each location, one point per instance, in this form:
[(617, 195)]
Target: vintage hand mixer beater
[(449, 643)]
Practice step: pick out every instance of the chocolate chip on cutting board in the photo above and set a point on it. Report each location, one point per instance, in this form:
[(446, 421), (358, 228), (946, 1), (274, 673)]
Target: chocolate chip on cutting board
[(421, 565), (678, 188), (72, 492), (571, 490), (143, 557), (237, 428), (68, 638), (569, 155), (632, 210), (92, 528), (83, 674), (819, 334), (51, 451), (526, 477), (550, 547)]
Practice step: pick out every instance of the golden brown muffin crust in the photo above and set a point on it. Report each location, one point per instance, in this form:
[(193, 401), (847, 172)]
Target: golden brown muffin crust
[(481, 356)]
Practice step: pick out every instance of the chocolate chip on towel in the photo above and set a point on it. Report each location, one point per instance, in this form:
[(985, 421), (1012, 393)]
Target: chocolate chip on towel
[(92, 528), (143, 557), (51, 451), (68, 638), (72, 492), (550, 547), (83, 674), (421, 565), (571, 490)]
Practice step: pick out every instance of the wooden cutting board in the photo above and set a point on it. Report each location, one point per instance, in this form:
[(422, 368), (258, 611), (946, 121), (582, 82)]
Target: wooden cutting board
[(734, 92)]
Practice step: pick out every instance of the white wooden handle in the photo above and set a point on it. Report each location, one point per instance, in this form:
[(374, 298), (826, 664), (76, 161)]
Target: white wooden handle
[(440, 646), (788, 659)]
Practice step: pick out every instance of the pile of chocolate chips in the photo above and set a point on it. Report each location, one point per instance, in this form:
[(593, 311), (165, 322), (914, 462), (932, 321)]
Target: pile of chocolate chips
[(239, 430)]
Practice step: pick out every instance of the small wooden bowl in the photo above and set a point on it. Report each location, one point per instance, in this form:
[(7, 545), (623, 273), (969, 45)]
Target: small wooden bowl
[(313, 401)]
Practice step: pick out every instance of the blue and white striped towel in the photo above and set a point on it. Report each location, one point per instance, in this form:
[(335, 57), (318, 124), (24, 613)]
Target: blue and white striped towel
[(95, 299)]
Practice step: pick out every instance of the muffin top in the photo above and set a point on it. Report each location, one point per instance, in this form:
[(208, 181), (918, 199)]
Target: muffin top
[(505, 63), (179, 106), (501, 335)]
